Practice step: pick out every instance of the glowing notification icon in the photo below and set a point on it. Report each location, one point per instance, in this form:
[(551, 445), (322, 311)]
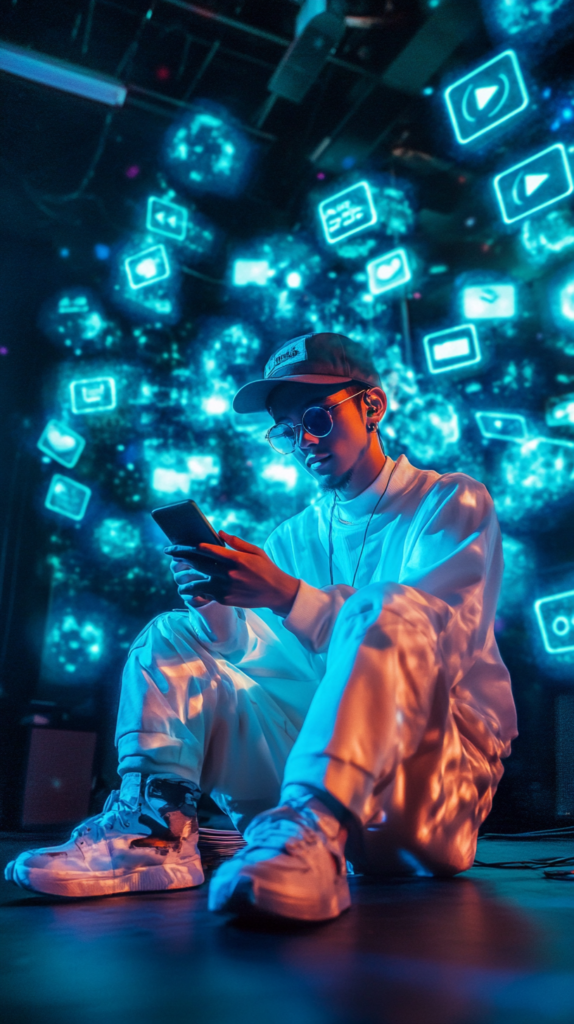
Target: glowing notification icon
[(347, 212), (148, 267), (388, 271), (166, 218), (489, 301), (98, 394), (535, 183), (61, 443), (556, 620), (502, 426), (487, 97), (67, 497), (452, 349)]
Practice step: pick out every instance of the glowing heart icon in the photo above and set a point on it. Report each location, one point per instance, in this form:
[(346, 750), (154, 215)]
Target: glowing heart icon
[(60, 442), (388, 270)]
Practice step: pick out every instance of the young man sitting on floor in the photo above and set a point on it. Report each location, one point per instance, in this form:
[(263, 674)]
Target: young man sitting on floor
[(339, 691)]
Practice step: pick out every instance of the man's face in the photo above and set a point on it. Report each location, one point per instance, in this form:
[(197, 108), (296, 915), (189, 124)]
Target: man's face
[(331, 459)]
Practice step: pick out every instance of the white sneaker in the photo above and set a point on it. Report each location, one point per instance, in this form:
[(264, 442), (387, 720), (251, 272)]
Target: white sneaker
[(144, 839), (293, 866)]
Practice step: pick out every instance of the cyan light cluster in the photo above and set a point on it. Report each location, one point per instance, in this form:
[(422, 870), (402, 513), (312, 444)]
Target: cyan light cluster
[(531, 478), (529, 24), (75, 319), (546, 237), (273, 279), (118, 538), (207, 151)]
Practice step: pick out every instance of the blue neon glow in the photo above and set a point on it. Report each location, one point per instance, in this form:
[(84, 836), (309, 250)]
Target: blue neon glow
[(555, 616), (37, 67), (486, 97), (117, 538), (165, 218), (147, 267), (489, 301), (96, 394), (567, 300), (560, 411), (502, 426), (546, 236), (388, 271), (208, 152), (252, 272), (534, 184), (452, 349), (67, 497), (529, 23), (75, 318), (347, 212), (61, 443)]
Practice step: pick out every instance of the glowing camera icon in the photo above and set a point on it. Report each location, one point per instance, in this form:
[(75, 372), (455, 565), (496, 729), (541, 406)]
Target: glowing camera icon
[(452, 349), (347, 212), (97, 394), (388, 271), (148, 267), (489, 301), (487, 97), (556, 620), (67, 497), (61, 443), (502, 426), (543, 179), (166, 218)]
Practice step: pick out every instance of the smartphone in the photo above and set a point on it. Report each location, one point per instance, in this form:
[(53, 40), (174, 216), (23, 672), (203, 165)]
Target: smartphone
[(184, 523)]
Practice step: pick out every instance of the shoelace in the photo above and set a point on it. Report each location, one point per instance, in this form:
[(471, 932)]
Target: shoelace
[(105, 820), (298, 826)]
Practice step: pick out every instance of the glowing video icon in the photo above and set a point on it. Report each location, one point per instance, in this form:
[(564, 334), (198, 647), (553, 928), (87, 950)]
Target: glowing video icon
[(560, 411), (487, 97), (166, 218), (489, 301), (556, 620), (67, 497), (148, 267), (97, 394), (543, 179), (347, 212), (388, 271), (502, 426), (61, 443), (452, 349)]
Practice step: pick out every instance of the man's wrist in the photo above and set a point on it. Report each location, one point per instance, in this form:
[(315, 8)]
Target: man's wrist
[(286, 597)]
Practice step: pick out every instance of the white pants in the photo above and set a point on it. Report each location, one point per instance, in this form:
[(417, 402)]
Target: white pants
[(380, 732)]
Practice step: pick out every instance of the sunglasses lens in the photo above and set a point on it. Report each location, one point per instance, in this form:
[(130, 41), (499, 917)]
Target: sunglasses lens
[(282, 439), (317, 421)]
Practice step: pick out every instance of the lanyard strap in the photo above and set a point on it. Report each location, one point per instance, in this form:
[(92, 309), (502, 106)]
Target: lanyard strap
[(379, 499)]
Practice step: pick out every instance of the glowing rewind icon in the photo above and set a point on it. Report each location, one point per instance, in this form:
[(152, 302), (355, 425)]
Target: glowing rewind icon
[(166, 218), (535, 183), (487, 97)]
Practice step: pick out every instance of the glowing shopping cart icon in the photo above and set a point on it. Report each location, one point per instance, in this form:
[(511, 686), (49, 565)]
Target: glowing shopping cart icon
[(97, 394)]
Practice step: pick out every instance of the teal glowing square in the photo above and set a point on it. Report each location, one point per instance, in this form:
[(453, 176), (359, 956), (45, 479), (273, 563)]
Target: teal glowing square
[(347, 212), (67, 497), (388, 271), (556, 620), (489, 301), (61, 443), (148, 267), (95, 394), (452, 349), (166, 218), (534, 184), (486, 97), (502, 426)]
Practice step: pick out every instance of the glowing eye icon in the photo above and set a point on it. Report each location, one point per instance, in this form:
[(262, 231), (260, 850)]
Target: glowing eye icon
[(502, 426), (487, 97), (148, 267), (556, 621)]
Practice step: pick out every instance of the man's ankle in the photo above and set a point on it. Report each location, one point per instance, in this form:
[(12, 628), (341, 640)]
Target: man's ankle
[(295, 791)]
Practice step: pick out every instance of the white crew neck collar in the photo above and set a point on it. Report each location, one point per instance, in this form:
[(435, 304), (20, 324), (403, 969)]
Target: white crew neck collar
[(354, 509)]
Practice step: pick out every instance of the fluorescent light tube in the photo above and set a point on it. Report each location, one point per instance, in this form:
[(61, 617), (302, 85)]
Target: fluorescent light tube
[(36, 67)]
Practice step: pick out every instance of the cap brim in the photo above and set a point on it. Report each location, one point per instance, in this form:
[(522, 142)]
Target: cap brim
[(253, 397)]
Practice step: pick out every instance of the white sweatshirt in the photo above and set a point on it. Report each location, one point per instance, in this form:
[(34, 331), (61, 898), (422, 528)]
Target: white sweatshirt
[(438, 534)]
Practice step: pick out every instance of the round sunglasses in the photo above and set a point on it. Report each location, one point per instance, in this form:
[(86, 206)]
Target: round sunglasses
[(316, 420)]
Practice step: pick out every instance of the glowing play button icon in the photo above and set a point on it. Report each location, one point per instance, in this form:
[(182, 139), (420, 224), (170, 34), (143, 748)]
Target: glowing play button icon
[(484, 94), (532, 182)]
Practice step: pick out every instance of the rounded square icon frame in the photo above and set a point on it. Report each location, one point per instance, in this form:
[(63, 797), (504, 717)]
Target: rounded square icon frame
[(402, 253), (361, 227), (457, 366), (549, 202), (86, 495), (545, 638), (160, 231), (472, 74), (139, 256)]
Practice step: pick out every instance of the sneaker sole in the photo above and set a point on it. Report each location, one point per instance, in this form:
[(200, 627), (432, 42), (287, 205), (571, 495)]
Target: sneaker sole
[(148, 879), (245, 902)]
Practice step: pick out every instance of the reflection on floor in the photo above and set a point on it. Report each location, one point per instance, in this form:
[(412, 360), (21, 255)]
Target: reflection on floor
[(490, 947)]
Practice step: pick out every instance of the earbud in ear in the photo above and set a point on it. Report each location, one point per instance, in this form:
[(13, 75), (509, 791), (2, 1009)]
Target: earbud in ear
[(370, 411)]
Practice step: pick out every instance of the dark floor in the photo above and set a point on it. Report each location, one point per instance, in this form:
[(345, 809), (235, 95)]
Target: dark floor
[(491, 947)]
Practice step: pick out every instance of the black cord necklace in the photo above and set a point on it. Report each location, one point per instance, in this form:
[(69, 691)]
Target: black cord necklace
[(379, 499)]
